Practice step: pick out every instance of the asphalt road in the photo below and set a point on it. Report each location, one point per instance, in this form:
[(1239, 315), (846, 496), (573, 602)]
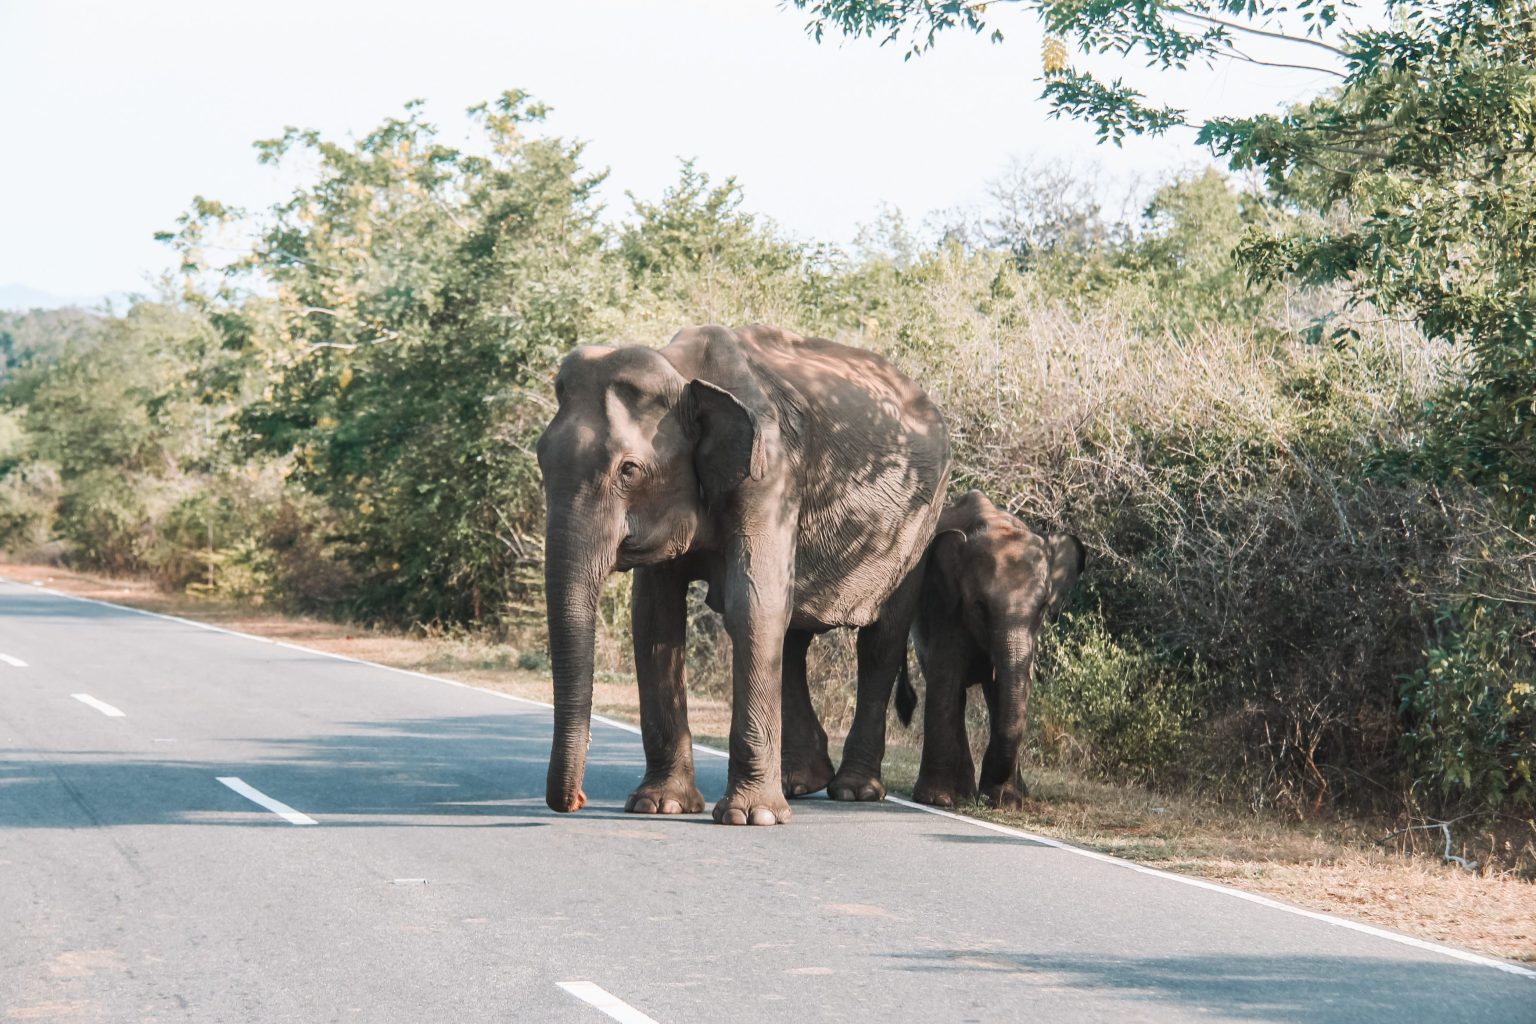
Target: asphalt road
[(433, 885)]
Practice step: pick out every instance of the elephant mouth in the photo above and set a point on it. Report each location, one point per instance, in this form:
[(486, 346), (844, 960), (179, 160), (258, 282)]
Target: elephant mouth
[(631, 554), (634, 554)]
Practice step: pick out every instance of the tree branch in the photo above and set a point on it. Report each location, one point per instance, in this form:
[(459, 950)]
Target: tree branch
[(1233, 51), (1236, 27)]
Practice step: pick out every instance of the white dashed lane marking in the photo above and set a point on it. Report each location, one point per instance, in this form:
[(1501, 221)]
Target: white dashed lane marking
[(13, 661), (99, 705), (277, 807), (602, 999)]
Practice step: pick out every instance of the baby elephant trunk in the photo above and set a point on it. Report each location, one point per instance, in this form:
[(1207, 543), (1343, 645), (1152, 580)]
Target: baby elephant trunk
[(1013, 658)]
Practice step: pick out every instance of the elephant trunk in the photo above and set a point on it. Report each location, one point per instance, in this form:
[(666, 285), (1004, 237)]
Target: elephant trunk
[(1013, 656), (574, 570)]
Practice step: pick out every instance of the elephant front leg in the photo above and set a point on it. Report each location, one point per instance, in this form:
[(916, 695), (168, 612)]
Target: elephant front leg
[(946, 776), (660, 615), (804, 766), (759, 577)]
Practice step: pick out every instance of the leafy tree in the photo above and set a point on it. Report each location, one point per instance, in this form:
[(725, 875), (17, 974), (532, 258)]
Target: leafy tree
[(114, 422), (40, 336), (1421, 163), (697, 226), (697, 255), (416, 292), (1184, 256)]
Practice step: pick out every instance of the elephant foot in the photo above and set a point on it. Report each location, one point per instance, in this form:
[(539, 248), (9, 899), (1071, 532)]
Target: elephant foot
[(943, 792), (851, 784), (665, 795), (807, 775), (753, 805), (1008, 796)]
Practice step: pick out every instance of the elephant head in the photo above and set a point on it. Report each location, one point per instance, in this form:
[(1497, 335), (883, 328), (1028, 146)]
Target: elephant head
[(632, 461)]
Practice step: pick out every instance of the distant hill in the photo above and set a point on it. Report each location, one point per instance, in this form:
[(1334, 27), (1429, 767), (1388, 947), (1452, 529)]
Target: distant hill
[(21, 298)]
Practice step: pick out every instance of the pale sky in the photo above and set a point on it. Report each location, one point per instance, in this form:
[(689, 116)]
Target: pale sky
[(116, 114)]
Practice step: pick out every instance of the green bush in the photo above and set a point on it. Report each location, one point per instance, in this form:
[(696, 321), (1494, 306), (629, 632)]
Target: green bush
[(29, 499), (1116, 703), (1470, 713), (104, 518)]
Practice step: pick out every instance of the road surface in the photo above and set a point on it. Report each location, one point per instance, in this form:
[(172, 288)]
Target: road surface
[(201, 826)]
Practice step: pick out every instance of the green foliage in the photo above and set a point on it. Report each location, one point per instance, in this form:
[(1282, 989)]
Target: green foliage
[(36, 338), (1183, 257), (1471, 712), (696, 256), (1115, 702), (422, 294), (114, 425), (29, 499), (1411, 187), (699, 229)]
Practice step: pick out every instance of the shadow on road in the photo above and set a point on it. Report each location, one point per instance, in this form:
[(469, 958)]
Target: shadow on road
[(1282, 989), (459, 770)]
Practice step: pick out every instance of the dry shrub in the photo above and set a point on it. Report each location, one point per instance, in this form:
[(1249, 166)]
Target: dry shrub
[(1246, 531)]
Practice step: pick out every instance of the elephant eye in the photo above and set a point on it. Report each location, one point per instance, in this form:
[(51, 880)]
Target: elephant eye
[(630, 470)]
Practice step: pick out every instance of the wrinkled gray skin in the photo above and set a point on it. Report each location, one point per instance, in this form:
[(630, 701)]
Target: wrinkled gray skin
[(988, 585), (802, 480)]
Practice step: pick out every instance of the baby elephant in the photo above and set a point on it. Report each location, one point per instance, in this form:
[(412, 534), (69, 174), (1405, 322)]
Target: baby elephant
[(990, 582)]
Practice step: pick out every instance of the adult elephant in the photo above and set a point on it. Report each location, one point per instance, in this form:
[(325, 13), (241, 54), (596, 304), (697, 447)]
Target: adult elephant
[(802, 479)]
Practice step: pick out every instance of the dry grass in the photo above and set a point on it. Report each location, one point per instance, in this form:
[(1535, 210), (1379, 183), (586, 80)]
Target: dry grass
[(1334, 866)]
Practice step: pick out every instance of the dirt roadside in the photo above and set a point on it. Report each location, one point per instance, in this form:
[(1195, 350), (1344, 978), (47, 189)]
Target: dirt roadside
[(1333, 866)]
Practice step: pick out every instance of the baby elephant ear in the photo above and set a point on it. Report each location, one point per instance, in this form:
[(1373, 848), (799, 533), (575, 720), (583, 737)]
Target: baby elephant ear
[(728, 443), (1068, 557)]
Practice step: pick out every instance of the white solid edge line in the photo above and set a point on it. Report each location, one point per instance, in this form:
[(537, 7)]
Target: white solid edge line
[(256, 796), (1200, 883), (99, 705), (1056, 844), (13, 661), (612, 1005)]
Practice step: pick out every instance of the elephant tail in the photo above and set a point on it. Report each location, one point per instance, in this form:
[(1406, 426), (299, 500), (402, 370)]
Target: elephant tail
[(906, 696)]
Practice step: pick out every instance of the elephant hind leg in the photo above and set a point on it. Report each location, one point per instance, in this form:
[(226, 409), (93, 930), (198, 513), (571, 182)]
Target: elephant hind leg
[(805, 766), (882, 651)]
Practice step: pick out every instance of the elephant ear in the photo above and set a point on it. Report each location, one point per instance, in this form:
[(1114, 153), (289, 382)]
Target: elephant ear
[(728, 446), (1068, 558)]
